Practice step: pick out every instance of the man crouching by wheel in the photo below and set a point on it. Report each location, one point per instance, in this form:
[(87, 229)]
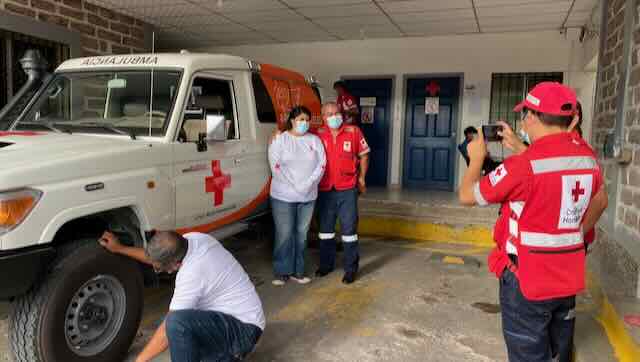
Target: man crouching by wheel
[(215, 312)]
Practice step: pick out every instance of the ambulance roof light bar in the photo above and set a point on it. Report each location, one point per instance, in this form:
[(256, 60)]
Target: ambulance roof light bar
[(254, 66), (312, 80)]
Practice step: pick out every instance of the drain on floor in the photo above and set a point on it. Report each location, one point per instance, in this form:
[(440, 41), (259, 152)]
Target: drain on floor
[(487, 307), (428, 299), (454, 260), (410, 333)]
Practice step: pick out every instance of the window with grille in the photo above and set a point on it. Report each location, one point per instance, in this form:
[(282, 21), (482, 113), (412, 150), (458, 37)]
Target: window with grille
[(508, 89), (12, 48)]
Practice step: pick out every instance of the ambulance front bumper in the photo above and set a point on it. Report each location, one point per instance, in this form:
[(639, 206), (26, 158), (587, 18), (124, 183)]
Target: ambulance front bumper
[(21, 268)]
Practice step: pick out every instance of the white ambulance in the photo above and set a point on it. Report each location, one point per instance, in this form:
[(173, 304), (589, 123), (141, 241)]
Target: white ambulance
[(131, 144)]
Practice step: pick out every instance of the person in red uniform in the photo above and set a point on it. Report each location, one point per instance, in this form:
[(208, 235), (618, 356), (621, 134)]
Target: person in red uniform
[(549, 193), (347, 104), (514, 143), (347, 154)]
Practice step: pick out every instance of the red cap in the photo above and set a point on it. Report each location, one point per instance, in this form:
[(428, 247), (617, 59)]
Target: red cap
[(551, 98)]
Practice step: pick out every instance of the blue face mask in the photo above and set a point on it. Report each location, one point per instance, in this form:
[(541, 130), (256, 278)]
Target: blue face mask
[(334, 121), (302, 127)]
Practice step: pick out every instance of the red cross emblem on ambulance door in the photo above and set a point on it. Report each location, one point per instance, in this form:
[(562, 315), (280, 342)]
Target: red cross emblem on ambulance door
[(433, 88), (577, 192), (217, 183)]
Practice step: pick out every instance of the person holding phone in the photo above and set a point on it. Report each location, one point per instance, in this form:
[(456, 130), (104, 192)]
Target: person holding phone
[(297, 161), (549, 193), (517, 145), (469, 134)]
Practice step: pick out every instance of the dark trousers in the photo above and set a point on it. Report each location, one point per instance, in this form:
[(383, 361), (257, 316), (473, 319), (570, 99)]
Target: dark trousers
[(342, 205), (536, 331), (199, 335)]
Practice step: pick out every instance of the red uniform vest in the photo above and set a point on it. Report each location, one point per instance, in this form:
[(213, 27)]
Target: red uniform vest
[(547, 189), (341, 172)]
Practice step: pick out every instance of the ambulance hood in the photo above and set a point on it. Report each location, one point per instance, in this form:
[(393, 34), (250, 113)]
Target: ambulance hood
[(28, 159)]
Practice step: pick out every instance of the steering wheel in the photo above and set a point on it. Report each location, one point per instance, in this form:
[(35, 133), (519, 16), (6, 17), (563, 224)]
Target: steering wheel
[(155, 113)]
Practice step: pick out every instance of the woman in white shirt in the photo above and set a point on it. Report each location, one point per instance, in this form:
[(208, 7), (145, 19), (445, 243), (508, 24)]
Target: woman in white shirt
[(297, 161)]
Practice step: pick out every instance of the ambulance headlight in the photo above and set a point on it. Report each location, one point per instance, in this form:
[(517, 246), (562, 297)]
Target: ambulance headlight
[(15, 206)]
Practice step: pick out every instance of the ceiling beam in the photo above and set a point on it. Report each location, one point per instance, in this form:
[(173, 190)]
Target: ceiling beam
[(566, 18), (475, 14), (335, 36), (211, 11), (375, 2)]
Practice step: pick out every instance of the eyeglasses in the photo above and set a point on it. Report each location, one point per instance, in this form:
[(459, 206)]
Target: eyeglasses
[(523, 114)]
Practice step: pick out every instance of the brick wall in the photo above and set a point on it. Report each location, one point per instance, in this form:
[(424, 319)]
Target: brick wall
[(609, 78), (616, 260), (102, 31), (630, 190)]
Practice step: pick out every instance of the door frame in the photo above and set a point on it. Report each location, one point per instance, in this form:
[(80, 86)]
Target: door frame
[(392, 105), (403, 120)]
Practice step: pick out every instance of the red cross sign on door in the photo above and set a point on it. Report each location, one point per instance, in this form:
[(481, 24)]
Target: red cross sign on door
[(577, 192), (217, 183), (433, 88)]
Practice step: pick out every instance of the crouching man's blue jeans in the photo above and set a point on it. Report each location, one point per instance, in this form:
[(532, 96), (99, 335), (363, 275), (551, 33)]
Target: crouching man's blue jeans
[(200, 335)]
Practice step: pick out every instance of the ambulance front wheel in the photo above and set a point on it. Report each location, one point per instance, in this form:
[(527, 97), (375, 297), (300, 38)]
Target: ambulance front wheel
[(87, 308)]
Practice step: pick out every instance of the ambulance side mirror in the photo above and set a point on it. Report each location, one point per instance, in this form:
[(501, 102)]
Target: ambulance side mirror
[(216, 130)]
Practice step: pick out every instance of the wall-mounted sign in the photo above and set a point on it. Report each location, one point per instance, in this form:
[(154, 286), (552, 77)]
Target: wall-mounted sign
[(432, 105), (367, 101), (368, 114)]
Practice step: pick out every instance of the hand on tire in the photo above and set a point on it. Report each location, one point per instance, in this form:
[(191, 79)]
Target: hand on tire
[(110, 242)]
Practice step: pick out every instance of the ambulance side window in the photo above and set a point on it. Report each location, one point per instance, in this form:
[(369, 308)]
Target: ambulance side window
[(264, 105), (208, 97)]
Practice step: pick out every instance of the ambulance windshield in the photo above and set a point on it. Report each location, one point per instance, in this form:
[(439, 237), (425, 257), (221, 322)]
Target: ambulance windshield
[(106, 102)]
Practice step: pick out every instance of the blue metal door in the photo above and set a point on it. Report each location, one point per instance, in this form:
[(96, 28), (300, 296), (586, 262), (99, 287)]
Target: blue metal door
[(375, 125), (429, 151)]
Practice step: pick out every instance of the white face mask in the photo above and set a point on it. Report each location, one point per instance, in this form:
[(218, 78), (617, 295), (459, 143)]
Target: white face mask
[(524, 135)]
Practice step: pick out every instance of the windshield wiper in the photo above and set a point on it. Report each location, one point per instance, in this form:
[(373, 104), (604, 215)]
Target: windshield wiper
[(109, 127), (48, 125)]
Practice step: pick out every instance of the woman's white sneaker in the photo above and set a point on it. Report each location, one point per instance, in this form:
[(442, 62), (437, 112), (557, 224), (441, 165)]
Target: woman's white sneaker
[(301, 280), (280, 281)]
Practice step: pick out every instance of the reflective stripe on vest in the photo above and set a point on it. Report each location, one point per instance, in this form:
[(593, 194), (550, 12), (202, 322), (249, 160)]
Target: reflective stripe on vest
[(478, 195), (557, 164), (517, 207), (543, 240)]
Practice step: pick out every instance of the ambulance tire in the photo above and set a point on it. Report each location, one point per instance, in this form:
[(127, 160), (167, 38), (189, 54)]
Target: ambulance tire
[(41, 322)]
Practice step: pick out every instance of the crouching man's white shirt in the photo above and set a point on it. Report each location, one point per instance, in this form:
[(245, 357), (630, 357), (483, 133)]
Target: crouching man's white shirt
[(210, 278)]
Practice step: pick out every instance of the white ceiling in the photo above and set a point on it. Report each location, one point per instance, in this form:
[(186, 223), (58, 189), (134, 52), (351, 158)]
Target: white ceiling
[(195, 23)]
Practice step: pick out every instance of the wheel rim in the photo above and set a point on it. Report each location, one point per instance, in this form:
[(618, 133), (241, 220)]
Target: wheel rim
[(95, 315)]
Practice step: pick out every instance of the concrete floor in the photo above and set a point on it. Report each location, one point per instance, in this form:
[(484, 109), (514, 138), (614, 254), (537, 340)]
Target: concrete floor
[(411, 303)]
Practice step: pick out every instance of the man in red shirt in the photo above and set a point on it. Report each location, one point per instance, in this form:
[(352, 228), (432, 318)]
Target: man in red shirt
[(549, 193), (514, 143), (347, 104), (347, 154)]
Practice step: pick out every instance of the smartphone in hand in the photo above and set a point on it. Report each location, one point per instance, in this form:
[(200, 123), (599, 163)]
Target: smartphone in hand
[(490, 132)]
